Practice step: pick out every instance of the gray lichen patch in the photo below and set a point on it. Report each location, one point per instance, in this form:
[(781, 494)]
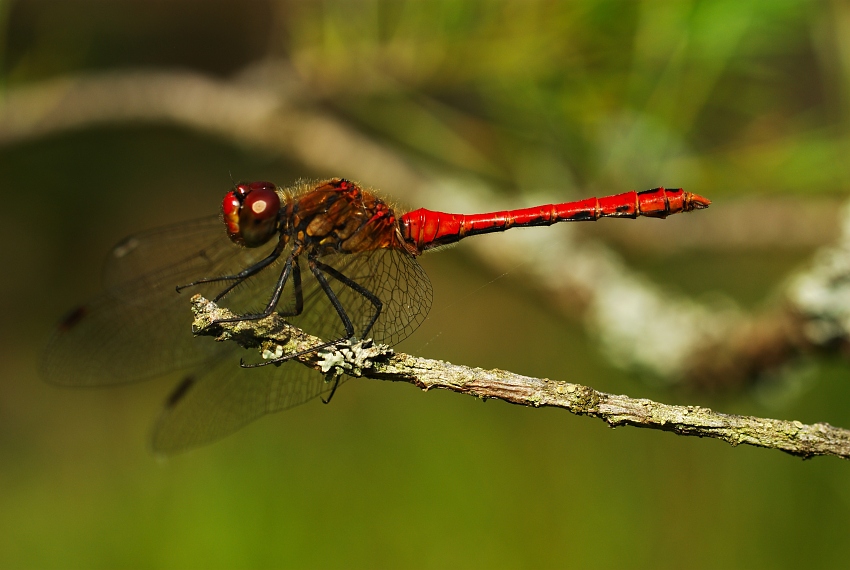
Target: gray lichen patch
[(352, 357)]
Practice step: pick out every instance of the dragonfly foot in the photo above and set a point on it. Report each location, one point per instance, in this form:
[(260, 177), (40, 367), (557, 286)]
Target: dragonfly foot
[(333, 390)]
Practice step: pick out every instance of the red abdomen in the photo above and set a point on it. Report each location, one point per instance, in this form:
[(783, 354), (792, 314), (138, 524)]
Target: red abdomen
[(424, 229)]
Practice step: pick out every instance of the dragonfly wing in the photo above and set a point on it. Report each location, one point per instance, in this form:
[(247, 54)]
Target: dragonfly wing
[(180, 254), (403, 286), (140, 326), (155, 251), (124, 335), (393, 276), (210, 405)]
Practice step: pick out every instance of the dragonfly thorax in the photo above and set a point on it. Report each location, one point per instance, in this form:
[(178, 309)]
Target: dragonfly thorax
[(338, 216)]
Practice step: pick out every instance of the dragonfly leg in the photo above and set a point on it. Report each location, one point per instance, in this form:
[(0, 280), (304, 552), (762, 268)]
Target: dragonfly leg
[(278, 291), (316, 268), (238, 278), (288, 357), (357, 287), (333, 391), (297, 291)]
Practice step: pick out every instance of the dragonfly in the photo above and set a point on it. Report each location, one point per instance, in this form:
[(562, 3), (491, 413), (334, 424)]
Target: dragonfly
[(331, 257)]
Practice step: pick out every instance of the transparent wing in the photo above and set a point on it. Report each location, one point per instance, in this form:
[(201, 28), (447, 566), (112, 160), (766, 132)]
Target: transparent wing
[(225, 397), (121, 337), (178, 247), (140, 326), (392, 276)]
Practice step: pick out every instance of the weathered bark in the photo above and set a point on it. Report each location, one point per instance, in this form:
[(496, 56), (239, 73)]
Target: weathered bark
[(366, 359)]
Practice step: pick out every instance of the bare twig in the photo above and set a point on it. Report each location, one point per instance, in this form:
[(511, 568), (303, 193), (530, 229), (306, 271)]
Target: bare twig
[(273, 335)]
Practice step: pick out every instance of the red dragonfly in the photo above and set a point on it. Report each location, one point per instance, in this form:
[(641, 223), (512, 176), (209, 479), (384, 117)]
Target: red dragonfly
[(361, 279)]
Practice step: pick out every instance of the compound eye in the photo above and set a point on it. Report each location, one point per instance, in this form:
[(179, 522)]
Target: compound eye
[(260, 204), (250, 213)]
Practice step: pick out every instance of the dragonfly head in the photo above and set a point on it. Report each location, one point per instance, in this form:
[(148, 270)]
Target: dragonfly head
[(250, 212)]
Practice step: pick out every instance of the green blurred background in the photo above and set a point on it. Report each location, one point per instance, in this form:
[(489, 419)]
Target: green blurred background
[(730, 99)]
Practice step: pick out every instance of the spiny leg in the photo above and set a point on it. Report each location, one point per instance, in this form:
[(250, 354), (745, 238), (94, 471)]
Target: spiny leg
[(333, 390), (297, 291), (358, 288), (316, 268), (278, 291), (242, 275)]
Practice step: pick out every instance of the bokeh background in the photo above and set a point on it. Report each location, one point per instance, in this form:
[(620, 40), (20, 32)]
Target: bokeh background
[(744, 102)]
